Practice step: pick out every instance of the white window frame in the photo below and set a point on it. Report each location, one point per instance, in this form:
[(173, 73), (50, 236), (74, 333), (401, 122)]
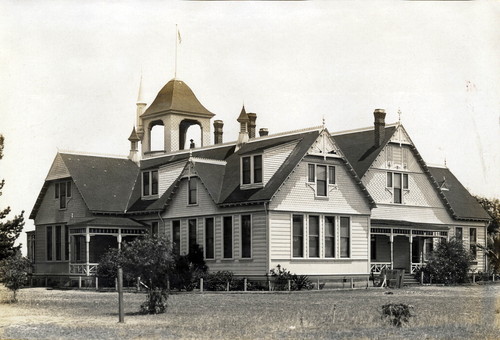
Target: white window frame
[(189, 232), (252, 170), (340, 236), (309, 235), (304, 236), (172, 240), (150, 184), (314, 184), (323, 239), (251, 237), (393, 181), (232, 237)]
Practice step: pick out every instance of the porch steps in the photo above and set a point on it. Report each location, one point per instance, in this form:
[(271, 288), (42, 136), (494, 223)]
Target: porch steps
[(410, 280)]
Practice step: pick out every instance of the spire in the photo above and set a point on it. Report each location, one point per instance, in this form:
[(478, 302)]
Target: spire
[(243, 136), (134, 151), (140, 99), (141, 104)]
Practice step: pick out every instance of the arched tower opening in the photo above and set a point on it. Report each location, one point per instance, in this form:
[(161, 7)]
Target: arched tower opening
[(157, 136), (190, 129)]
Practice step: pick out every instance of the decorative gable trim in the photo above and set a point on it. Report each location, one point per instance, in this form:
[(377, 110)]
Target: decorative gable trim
[(207, 161), (58, 170), (325, 146), (400, 136)]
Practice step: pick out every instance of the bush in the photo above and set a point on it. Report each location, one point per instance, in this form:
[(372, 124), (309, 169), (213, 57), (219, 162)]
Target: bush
[(449, 263), (218, 281), (188, 269), (281, 276), (397, 313)]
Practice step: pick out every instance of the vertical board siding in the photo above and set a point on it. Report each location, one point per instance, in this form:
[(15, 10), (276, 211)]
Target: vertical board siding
[(273, 158), (297, 194), (167, 174)]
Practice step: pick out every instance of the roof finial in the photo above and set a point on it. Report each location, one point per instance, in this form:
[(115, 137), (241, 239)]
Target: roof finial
[(399, 116), (140, 100), (445, 162), (178, 41), (324, 122)]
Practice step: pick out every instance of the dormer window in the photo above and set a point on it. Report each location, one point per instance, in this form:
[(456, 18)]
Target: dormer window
[(251, 169), (322, 176), (150, 183), (397, 182), (62, 192)]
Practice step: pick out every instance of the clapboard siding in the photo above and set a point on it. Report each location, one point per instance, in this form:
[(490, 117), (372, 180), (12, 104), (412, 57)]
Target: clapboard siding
[(42, 265), (359, 237), (412, 214), (167, 174), (256, 265), (297, 194), (49, 211), (273, 158), (334, 267), (280, 225)]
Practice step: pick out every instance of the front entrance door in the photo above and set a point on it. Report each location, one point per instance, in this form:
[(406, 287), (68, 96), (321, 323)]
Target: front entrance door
[(401, 253)]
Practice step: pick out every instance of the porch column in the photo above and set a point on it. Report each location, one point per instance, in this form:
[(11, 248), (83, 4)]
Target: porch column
[(87, 251), (119, 239), (70, 241), (411, 249), (391, 238)]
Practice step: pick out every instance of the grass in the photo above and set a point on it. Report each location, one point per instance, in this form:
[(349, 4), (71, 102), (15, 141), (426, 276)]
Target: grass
[(463, 312)]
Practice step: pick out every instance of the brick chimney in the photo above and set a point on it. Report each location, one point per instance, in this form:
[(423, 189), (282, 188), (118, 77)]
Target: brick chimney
[(379, 131), (263, 132), (218, 124), (252, 117)]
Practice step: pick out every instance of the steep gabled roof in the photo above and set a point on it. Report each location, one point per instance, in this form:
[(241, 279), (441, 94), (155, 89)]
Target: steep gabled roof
[(461, 204), (105, 183), (176, 96), (359, 147)]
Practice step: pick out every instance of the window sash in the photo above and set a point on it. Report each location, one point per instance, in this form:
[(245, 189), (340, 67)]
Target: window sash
[(58, 243), (345, 236), (209, 238), (405, 181), (298, 235), (389, 180), (313, 236), (228, 237), (66, 242), (246, 170), (176, 236), (331, 175), (459, 233), (145, 183), (397, 188), (246, 236), (62, 196), (68, 189), (154, 228), (329, 236), (193, 190), (311, 173), (48, 234), (154, 182), (321, 184), (192, 235), (257, 169), (472, 241)]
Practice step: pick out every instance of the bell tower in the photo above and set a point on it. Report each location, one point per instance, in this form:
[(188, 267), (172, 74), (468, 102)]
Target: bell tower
[(176, 108)]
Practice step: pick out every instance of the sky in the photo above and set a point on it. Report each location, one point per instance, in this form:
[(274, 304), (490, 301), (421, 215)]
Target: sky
[(70, 74)]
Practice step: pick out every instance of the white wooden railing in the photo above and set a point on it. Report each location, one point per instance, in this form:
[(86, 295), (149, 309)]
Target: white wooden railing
[(377, 267), (416, 266), (83, 268)]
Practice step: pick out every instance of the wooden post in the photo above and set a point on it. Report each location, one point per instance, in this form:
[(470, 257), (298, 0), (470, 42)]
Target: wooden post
[(79, 282), (343, 282), (318, 283), (96, 283), (367, 281), (245, 284), (392, 250), (168, 285), (201, 285), (493, 277), (116, 284), (289, 285), (121, 314), (227, 286), (422, 277), (352, 283), (46, 282), (473, 277), (430, 279), (138, 284)]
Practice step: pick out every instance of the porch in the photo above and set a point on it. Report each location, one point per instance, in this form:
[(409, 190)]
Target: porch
[(404, 245), (91, 238)]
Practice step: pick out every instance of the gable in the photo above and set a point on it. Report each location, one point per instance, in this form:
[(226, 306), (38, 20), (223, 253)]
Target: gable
[(274, 157), (324, 145), (400, 136), (58, 169)]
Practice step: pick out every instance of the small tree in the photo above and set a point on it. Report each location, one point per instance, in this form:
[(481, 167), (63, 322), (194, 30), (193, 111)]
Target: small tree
[(9, 230), (149, 258), (492, 206), (493, 252), (14, 273), (449, 263), (188, 269)]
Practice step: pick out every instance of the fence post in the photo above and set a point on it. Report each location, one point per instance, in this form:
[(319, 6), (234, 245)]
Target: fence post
[(422, 277), (430, 279), (367, 281), (121, 314), (46, 282), (116, 284), (473, 277), (343, 282), (318, 283), (138, 283), (289, 285), (352, 283), (79, 282), (227, 286), (493, 277), (201, 285), (96, 283), (168, 285), (245, 284)]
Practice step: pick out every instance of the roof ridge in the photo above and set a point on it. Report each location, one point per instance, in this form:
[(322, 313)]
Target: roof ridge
[(364, 129), (93, 154), (286, 133)]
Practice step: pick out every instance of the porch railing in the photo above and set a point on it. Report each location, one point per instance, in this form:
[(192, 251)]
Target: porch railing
[(87, 269), (416, 266), (377, 267)]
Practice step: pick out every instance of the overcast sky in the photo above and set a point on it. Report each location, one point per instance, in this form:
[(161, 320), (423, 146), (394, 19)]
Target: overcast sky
[(70, 74)]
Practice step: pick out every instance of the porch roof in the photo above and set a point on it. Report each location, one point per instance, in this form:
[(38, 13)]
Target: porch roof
[(106, 221), (376, 223)]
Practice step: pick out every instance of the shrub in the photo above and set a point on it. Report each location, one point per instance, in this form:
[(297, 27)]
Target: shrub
[(397, 313), (218, 281), (281, 276), (188, 269), (449, 263)]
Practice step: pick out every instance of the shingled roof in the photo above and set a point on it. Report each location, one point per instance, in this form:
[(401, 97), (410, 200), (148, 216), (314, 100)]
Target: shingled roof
[(360, 149), (177, 96), (462, 205)]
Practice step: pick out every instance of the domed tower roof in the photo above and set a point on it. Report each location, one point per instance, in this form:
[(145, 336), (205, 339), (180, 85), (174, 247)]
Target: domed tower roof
[(176, 96)]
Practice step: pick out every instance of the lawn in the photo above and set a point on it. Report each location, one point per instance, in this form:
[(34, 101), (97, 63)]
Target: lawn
[(463, 312)]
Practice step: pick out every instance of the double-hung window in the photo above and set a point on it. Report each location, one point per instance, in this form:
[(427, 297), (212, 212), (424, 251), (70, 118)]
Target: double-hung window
[(313, 236), (321, 176), (150, 183), (472, 241), (251, 169), (397, 182), (62, 192), (48, 235), (209, 238), (298, 235), (459, 234), (345, 237), (176, 236), (192, 191), (329, 236), (191, 235), (58, 243), (246, 236), (227, 236), (154, 228)]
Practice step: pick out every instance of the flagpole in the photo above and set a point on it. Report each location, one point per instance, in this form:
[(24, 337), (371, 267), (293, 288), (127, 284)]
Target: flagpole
[(176, 43)]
